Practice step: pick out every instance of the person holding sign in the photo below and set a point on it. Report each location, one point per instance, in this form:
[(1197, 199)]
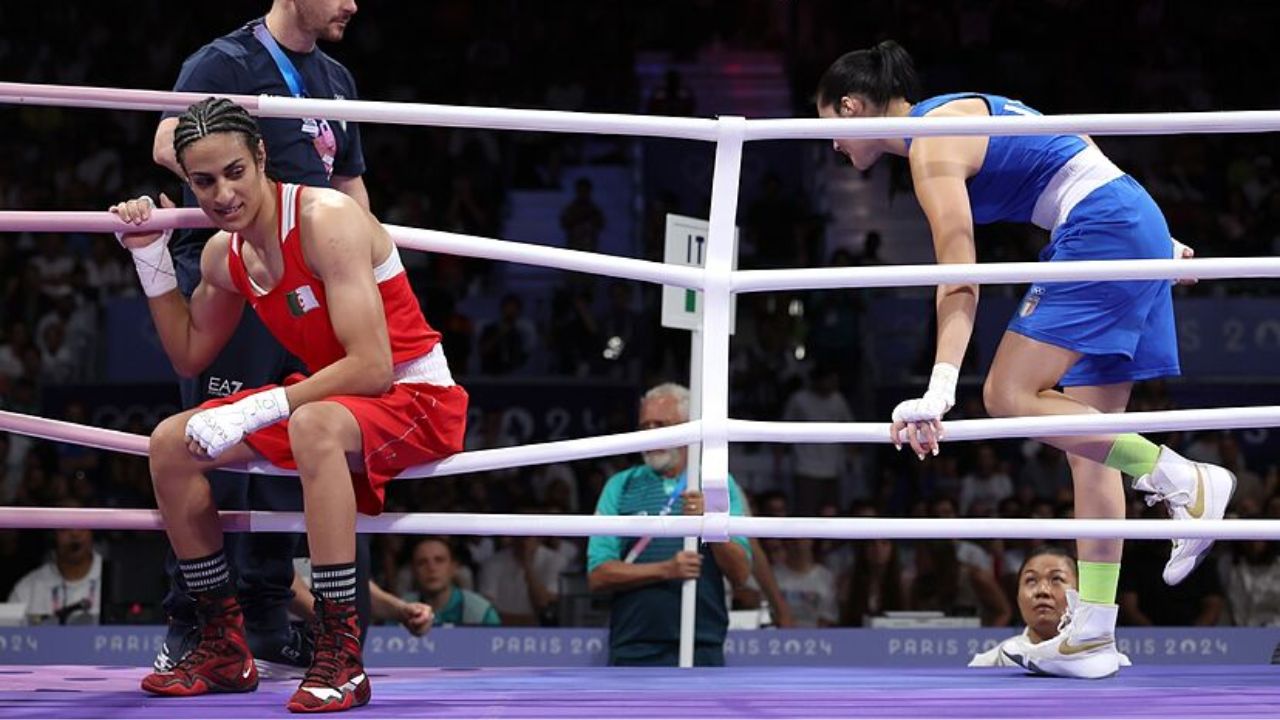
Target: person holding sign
[(645, 574)]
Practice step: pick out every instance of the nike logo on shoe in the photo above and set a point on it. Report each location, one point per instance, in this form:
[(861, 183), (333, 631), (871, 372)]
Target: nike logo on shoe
[(1022, 662), (1066, 648), (328, 693), (248, 669), (324, 693), (1196, 509)]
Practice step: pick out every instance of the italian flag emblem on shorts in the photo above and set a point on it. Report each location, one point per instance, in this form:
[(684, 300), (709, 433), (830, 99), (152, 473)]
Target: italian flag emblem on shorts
[(302, 301)]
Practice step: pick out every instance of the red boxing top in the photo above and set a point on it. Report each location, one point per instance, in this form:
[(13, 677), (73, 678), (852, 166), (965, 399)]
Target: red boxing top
[(296, 311)]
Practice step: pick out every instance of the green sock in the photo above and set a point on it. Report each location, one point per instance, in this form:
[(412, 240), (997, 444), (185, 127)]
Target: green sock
[(1133, 455), (1098, 581)]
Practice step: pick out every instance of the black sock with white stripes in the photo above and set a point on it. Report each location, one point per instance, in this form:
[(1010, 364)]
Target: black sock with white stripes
[(336, 583), (207, 575)]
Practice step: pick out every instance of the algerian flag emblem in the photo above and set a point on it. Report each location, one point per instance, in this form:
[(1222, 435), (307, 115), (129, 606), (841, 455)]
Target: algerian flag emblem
[(302, 300)]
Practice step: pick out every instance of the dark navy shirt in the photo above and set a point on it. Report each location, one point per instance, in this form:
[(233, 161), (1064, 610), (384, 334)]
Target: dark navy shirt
[(237, 64)]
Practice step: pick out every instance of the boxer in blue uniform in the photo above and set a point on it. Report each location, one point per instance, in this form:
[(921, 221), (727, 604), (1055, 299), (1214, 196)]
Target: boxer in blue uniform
[(1092, 339)]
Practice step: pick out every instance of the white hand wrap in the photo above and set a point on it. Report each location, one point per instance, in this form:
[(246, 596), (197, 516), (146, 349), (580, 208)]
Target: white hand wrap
[(1179, 253), (155, 266), (937, 400), (217, 429)]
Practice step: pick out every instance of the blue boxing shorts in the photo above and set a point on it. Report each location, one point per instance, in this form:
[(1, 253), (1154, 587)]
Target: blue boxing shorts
[(1125, 329)]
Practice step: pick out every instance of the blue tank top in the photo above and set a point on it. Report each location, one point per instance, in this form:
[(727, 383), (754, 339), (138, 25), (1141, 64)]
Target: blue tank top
[(1017, 167)]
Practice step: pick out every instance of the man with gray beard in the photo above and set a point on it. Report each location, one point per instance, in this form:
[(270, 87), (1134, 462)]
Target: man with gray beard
[(645, 574)]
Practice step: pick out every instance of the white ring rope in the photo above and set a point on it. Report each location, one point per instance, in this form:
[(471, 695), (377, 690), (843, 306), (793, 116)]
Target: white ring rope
[(1008, 272), (1161, 123), (467, 462), (367, 111), (694, 278), (84, 96), (489, 118), (686, 128), (1233, 418), (406, 237), (720, 282), (539, 453), (671, 525), (736, 431), (561, 258)]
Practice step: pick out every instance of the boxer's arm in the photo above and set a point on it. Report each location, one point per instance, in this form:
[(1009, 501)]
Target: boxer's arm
[(162, 147), (194, 333), (191, 333)]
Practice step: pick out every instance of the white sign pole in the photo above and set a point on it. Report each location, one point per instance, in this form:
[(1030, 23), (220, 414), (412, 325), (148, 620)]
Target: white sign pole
[(689, 591), (686, 240)]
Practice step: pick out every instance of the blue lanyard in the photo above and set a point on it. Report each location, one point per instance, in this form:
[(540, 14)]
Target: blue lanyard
[(292, 77), (676, 492)]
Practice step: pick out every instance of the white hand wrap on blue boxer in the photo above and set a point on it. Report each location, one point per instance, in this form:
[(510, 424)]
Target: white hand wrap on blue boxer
[(1179, 253), (218, 429), (937, 400)]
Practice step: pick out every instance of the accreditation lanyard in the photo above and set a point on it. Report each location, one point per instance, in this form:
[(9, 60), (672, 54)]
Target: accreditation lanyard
[(643, 542), (292, 77), (322, 137)]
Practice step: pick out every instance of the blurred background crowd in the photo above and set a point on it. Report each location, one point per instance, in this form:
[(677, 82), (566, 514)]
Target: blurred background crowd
[(550, 355)]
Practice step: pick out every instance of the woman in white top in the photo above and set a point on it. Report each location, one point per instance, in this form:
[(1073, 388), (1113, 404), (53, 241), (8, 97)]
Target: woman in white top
[(1046, 592)]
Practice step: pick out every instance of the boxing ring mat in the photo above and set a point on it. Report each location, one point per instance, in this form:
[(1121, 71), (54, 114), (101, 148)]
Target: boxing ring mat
[(1207, 691)]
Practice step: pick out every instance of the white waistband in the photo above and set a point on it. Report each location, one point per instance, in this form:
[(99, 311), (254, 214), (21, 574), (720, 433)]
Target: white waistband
[(1084, 173), (429, 369)]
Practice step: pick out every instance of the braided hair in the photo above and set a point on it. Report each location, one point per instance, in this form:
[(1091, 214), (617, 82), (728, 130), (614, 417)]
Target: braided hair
[(215, 115)]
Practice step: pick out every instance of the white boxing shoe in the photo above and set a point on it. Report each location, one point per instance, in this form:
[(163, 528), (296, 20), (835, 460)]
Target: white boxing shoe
[(1085, 646), (1192, 491)]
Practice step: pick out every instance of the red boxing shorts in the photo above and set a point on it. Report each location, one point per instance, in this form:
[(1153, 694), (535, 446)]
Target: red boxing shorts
[(410, 424)]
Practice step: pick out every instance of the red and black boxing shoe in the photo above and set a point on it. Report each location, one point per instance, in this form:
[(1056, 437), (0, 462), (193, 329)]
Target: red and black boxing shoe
[(336, 680), (220, 663)]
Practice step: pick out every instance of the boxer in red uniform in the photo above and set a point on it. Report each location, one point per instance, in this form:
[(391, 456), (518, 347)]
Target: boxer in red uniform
[(326, 279)]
